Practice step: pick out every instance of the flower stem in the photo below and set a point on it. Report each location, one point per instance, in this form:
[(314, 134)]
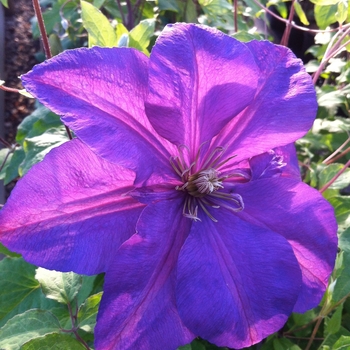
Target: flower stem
[(329, 183)]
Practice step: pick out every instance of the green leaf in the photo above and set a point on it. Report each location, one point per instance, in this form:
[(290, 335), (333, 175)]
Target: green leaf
[(88, 312), (5, 251), (245, 36), (5, 3), (5, 160), (342, 343), (325, 15), (35, 148), (344, 240), (333, 324), (342, 11), (284, 344), (98, 3), (100, 30), (54, 341), (218, 7), (24, 327), (342, 284), (19, 290), (331, 339), (329, 172), (37, 123), (140, 36), (341, 205), (324, 2), (12, 169), (59, 286), (170, 5), (301, 14), (120, 31), (190, 12), (55, 44)]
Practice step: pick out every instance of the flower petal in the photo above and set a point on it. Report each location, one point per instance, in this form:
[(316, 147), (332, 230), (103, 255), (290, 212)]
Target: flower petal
[(197, 75), (282, 111), (70, 212), (138, 305), (101, 91), (237, 282), (281, 161), (290, 157), (302, 216)]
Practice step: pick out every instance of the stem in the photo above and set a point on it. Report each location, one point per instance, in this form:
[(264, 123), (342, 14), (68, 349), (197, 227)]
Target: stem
[(73, 318), (5, 160), (121, 11), (339, 156), (45, 41), (329, 159), (130, 23), (313, 335), (42, 29), (2, 87), (235, 4), (286, 34), (5, 143), (299, 27), (331, 52), (329, 183)]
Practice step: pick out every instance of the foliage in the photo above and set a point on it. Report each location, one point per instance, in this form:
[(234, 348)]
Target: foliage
[(39, 308)]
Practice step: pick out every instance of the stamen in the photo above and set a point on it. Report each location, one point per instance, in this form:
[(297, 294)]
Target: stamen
[(181, 188), (238, 200), (174, 166), (181, 154), (206, 211), (217, 149), (223, 162)]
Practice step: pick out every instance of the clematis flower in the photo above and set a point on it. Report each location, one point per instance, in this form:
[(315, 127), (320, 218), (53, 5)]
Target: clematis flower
[(182, 186)]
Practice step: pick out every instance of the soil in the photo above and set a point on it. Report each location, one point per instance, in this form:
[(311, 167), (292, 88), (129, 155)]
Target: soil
[(19, 59), (20, 48)]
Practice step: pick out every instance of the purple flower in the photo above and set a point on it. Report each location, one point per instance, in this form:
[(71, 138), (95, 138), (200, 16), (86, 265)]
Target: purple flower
[(182, 185)]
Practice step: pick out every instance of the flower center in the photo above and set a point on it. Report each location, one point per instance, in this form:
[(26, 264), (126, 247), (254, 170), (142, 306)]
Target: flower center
[(205, 187), (203, 183)]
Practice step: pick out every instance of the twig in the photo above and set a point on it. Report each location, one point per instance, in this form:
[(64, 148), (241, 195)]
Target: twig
[(286, 34), (329, 159), (313, 335), (5, 160), (330, 182), (340, 155), (235, 9), (42, 29), (73, 318), (130, 23), (331, 51), (121, 11), (45, 41), (2, 87), (300, 27)]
